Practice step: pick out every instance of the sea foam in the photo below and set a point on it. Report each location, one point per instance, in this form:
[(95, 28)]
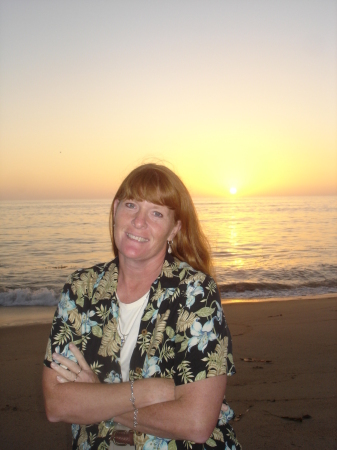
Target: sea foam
[(27, 297)]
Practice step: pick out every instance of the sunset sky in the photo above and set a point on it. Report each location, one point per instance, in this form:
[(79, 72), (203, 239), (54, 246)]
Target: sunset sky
[(230, 93)]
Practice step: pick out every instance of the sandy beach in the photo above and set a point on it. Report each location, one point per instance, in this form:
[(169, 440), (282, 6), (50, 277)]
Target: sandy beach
[(284, 392)]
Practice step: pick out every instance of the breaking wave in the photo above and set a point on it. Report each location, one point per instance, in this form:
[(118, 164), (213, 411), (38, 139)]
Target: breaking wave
[(28, 297)]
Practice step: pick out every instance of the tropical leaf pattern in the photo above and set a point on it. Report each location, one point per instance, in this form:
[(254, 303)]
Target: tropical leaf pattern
[(111, 341), (185, 320), (158, 332), (182, 335), (217, 360)]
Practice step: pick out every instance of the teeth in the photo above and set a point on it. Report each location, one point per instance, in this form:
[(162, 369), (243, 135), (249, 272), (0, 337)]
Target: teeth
[(136, 238)]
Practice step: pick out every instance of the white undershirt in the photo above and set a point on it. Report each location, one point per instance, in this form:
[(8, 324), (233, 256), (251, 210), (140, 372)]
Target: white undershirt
[(130, 315)]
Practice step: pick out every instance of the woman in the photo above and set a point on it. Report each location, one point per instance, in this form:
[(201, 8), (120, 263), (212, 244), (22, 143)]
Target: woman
[(152, 315)]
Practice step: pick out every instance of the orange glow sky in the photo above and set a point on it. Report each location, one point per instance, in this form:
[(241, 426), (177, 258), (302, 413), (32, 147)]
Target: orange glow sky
[(229, 93)]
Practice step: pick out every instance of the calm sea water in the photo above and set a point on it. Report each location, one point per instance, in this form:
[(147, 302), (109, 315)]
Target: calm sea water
[(262, 247)]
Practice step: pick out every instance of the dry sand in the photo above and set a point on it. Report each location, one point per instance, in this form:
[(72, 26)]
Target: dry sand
[(298, 337)]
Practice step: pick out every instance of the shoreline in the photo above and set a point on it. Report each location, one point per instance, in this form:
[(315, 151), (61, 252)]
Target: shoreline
[(18, 316), (230, 301)]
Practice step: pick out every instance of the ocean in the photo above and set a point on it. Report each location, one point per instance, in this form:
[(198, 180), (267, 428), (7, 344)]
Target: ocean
[(262, 247)]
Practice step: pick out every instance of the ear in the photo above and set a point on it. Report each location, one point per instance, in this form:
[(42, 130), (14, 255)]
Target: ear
[(175, 230), (116, 203)]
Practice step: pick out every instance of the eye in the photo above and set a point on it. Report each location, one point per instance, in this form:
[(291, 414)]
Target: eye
[(157, 214), (130, 205)]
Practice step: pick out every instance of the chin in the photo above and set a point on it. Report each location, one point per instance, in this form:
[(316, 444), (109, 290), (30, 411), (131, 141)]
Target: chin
[(133, 253)]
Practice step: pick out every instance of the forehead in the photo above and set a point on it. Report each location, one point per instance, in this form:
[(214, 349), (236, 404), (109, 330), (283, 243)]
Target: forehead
[(152, 188)]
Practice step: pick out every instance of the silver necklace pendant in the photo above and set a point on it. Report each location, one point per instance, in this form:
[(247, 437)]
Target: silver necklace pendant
[(122, 336)]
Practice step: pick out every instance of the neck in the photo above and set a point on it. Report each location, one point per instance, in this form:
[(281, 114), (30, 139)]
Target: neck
[(135, 279)]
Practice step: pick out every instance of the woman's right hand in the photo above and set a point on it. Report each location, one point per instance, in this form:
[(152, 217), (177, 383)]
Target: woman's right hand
[(79, 372)]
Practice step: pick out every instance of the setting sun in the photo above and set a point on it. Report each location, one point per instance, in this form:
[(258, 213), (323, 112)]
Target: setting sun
[(233, 190)]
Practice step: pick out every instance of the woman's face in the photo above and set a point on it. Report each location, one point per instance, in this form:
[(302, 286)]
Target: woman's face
[(142, 230)]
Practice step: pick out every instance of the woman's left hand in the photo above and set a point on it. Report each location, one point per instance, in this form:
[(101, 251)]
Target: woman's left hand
[(79, 372)]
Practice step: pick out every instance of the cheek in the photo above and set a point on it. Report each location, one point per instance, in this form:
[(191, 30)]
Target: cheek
[(120, 222), (117, 233), (165, 233)]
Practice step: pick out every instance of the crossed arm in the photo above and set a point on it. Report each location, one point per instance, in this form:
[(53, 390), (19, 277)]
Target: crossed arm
[(191, 416), (186, 412)]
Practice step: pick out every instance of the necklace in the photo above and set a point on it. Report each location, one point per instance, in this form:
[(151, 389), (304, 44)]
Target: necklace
[(121, 334), (125, 335)]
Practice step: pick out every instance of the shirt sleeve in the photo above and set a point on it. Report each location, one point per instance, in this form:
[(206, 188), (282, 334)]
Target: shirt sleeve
[(202, 338), (66, 325)]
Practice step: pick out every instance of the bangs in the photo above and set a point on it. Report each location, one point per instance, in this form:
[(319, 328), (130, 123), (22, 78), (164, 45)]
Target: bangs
[(151, 186)]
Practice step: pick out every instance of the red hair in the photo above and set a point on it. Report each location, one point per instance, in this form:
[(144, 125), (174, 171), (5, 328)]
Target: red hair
[(159, 185)]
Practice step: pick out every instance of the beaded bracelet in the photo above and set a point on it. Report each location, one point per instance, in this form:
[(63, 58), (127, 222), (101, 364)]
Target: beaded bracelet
[(135, 410)]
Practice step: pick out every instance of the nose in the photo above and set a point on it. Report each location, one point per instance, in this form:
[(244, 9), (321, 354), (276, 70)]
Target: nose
[(139, 220)]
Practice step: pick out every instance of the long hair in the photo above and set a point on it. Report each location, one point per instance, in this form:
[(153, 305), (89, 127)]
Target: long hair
[(159, 185)]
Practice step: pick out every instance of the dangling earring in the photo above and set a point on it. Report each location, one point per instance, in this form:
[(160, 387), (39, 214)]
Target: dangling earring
[(169, 250)]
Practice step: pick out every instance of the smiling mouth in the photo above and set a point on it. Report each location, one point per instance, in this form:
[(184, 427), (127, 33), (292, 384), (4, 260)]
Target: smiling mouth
[(136, 238)]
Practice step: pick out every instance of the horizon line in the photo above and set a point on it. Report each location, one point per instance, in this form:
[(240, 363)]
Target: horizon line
[(196, 197)]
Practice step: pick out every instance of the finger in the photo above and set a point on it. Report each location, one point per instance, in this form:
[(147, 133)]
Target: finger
[(64, 373), (71, 365), (80, 358), (62, 380)]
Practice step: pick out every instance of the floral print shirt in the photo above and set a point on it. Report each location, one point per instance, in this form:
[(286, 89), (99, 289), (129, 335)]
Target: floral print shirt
[(183, 335)]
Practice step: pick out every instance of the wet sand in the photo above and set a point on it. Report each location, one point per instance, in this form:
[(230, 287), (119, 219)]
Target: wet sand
[(284, 393)]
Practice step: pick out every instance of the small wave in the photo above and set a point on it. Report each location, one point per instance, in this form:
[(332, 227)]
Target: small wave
[(244, 287), (325, 283), (276, 288), (27, 297)]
